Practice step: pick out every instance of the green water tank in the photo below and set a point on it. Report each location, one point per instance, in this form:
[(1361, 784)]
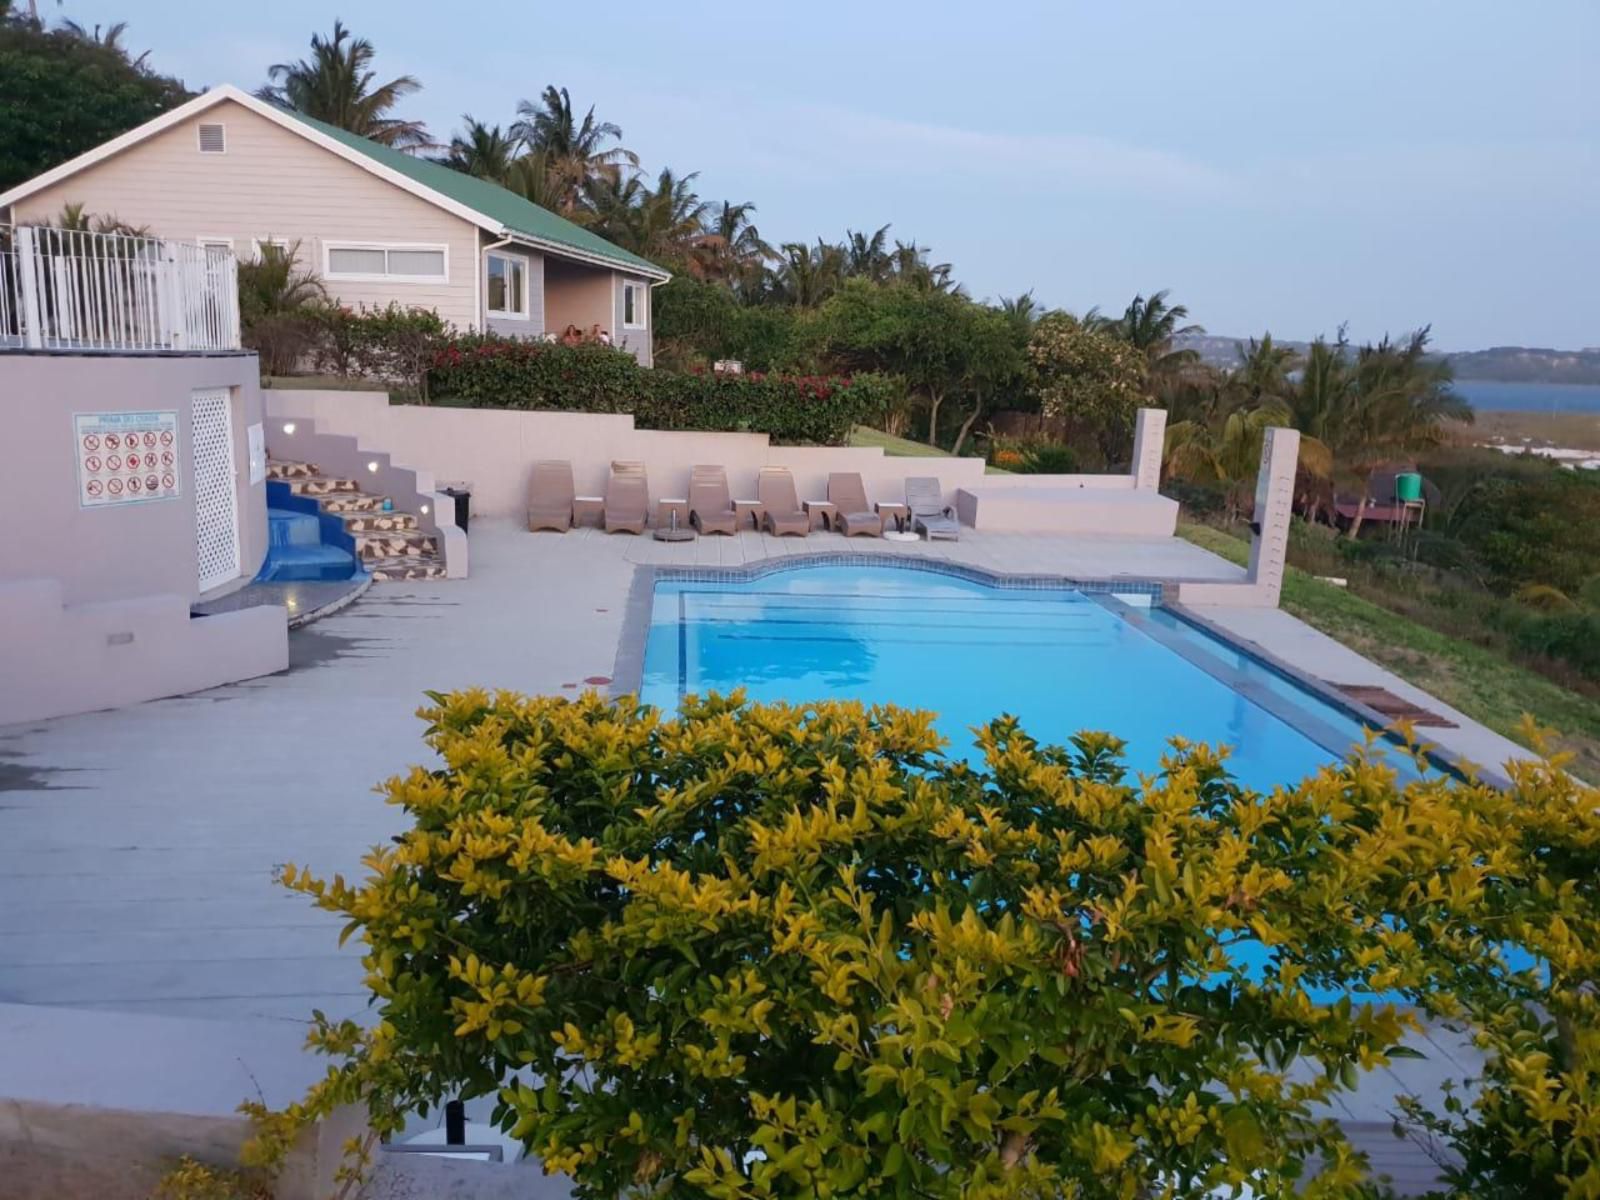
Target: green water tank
[(1408, 486)]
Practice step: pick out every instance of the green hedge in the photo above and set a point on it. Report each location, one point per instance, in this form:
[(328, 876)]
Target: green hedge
[(806, 409)]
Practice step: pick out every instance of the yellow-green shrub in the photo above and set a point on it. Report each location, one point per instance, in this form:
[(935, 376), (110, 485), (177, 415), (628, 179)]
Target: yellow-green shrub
[(765, 950)]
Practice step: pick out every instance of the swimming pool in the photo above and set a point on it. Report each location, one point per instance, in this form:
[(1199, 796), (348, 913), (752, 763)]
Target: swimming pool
[(1059, 658)]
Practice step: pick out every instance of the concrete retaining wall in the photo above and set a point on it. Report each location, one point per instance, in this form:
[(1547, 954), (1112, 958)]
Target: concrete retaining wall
[(494, 450), (94, 601)]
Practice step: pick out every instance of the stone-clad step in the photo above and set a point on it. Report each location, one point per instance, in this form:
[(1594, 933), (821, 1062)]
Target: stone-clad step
[(412, 543), (378, 522), (389, 543)]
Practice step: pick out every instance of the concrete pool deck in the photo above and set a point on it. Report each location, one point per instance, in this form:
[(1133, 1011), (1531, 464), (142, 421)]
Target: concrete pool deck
[(149, 961), (137, 846)]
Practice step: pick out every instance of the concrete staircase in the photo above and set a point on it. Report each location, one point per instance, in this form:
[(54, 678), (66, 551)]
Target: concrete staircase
[(391, 545)]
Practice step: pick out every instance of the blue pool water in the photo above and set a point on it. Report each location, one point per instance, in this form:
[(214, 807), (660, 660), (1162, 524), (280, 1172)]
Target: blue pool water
[(1060, 660)]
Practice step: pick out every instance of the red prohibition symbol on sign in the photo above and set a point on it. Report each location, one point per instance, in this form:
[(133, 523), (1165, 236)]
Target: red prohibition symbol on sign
[(93, 487), (151, 483), (115, 487), (134, 485), (92, 462), (91, 442), (150, 459), (167, 481), (149, 439), (166, 437), (166, 458), (114, 463), (112, 441)]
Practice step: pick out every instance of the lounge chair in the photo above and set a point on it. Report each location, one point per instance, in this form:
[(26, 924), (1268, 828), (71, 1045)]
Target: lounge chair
[(784, 516), (550, 495), (851, 513), (627, 498), (930, 515), (710, 508)]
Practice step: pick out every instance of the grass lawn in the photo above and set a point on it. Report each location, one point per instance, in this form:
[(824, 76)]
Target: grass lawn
[(899, 447), (1482, 684)]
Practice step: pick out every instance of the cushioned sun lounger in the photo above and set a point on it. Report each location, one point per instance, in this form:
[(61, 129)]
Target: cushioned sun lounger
[(550, 495), (851, 512), (627, 498), (930, 515), (775, 490), (710, 508)]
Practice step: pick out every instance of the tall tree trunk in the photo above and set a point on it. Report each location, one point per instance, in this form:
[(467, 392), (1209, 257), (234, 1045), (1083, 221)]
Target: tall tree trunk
[(934, 400), (1361, 515), (966, 428)]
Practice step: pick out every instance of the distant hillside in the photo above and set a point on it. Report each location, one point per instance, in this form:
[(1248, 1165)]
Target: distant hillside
[(1502, 364), (1519, 364)]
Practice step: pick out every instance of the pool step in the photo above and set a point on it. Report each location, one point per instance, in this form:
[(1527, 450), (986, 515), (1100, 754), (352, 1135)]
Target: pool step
[(396, 544), (378, 521), (390, 544)]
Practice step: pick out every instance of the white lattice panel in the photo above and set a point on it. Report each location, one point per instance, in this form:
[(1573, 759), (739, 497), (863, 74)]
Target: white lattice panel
[(216, 527)]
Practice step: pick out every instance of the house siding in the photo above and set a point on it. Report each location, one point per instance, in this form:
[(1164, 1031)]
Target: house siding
[(271, 182), (636, 341)]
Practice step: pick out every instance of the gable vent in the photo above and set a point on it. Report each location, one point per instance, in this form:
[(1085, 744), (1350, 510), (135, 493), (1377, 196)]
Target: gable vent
[(212, 140)]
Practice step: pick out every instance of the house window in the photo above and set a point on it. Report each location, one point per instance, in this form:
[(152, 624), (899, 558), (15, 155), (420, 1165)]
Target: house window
[(633, 302), (257, 243), (213, 139), (379, 261), (216, 245), (508, 286)]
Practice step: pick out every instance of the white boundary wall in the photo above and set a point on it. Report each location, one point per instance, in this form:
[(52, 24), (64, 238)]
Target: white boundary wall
[(493, 450)]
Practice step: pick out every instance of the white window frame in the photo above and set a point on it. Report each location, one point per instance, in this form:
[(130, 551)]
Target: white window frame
[(198, 145), (257, 242), (216, 241), (527, 286), (640, 310), (328, 247)]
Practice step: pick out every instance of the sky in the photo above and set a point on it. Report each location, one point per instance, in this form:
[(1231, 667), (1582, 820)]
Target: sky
[(1279, 166)]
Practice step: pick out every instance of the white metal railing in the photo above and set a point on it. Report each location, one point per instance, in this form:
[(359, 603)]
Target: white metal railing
[(74, 290)]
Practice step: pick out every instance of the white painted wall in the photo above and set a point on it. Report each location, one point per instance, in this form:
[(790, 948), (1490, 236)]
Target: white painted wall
[(494, 450)]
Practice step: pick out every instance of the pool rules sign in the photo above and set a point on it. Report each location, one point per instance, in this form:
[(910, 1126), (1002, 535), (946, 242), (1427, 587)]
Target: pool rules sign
[(126, 457)]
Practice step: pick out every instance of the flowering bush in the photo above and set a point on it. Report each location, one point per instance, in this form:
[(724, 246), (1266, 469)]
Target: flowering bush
[(770, 951), (1091, 379), (498, 373)]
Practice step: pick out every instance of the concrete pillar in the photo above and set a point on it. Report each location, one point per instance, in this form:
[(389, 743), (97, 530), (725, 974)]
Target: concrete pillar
[(1269, 548), (1149, 438)]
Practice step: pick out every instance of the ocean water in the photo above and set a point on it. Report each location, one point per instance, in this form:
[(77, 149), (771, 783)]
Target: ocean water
[(1489, 396)]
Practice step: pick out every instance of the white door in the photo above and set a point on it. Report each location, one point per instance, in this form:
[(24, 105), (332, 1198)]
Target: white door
[(216, 506)]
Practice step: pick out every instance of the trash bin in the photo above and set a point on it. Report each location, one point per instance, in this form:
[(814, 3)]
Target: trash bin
[(462, 495)]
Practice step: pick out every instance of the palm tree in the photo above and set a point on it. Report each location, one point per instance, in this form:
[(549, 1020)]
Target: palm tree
[(532, 177), (1264, 368), (867, 256), (610, 203), (671, 216), (577, 149), (482, 150), (1022, 311), (731, 247), (336, 85), (911, 266), (808, 275), (1152, 325)]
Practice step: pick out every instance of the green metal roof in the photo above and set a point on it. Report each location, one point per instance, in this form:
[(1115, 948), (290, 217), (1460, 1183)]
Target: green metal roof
[(495, 203)]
